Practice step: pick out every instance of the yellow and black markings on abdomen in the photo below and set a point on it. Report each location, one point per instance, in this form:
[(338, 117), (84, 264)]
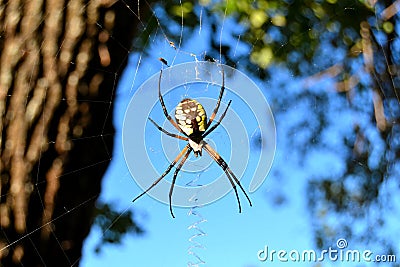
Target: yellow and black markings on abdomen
[(191, 116)]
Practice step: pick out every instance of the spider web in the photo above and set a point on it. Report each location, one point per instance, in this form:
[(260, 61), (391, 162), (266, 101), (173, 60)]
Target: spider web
[(297, 113)]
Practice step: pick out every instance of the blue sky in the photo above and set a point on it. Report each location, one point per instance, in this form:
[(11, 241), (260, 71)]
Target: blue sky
[(231, 239)]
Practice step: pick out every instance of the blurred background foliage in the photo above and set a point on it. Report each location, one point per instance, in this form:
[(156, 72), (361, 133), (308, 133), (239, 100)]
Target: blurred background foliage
[(114, 224), (353, 120)]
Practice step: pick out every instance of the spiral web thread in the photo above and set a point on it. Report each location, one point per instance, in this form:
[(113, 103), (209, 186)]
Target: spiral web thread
[(196, 230)]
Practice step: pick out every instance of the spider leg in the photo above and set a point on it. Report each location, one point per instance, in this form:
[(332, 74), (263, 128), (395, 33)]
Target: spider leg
[(165, 173), (219, 99), (229, 178), (178, 168), (218, 122), (168, 133), (221, 162), (236, 192), (165, 109)]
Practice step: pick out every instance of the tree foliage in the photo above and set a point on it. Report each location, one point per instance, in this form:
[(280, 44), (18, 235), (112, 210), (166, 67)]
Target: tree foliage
[(114, 224), (355, 44)]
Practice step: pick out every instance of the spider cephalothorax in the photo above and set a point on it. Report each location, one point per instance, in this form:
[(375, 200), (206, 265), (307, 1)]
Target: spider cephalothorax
[(191, 121)]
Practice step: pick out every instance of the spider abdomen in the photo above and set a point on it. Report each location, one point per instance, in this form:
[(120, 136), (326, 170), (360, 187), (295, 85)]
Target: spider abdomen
[(191, 116)]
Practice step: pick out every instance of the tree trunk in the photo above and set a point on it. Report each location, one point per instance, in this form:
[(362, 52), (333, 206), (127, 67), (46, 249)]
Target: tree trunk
[(59, 64)]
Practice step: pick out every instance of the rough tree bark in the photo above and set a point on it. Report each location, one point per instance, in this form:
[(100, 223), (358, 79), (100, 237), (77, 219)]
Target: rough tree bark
[(59, 64)]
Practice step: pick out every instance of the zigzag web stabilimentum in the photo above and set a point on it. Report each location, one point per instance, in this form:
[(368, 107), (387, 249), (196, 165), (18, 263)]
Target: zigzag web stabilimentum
[(195, 229)]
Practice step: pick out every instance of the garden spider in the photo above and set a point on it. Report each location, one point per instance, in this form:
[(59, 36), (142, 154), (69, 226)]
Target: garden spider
[(191, 121)]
